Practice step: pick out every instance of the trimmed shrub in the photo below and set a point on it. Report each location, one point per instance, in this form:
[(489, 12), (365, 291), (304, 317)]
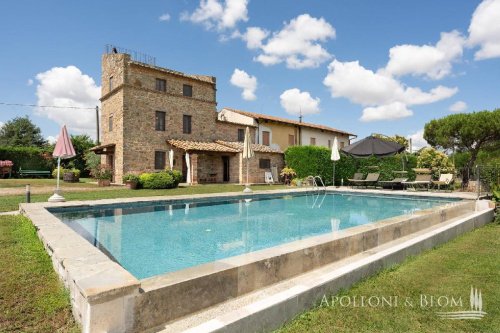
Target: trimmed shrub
[(157, 180), (75, 172), (27, 158), (177, 175), (314, 160)]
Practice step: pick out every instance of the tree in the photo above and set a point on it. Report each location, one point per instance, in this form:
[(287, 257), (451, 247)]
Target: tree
[(21, 132), (465, 132), (82, 143), (396, 138)]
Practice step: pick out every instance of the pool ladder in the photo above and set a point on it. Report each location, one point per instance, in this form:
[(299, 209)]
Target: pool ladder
[(315, 184)]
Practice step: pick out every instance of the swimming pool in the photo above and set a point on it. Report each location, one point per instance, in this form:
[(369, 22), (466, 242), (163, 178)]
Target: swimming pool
[(152, 238)]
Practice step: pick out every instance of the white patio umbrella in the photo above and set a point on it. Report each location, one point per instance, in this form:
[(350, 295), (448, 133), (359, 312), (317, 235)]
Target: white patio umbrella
[(171, 159), (63, 149), (188, 171), (247, 154), (335, 157)]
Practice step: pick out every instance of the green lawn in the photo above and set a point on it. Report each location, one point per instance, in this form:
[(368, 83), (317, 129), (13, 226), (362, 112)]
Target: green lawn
[(32, 299), (11, 202), (470, 260), (40, 182)]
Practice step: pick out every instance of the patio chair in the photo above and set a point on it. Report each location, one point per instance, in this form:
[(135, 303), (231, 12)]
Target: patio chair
[(395, 182), (422, 180), (268, 176), (357, 176), (445, 180), (370, 180)]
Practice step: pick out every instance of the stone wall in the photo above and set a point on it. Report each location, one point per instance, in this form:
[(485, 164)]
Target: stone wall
[(229, 131), (256, 174)]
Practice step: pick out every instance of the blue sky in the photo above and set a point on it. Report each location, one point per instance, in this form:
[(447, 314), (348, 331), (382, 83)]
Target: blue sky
[(362, 66)]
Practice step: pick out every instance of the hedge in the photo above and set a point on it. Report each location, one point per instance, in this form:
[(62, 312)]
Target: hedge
[(27, 158), (314, 160)]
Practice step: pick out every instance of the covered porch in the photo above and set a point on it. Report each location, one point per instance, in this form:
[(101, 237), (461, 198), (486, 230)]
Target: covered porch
[(209, 162)]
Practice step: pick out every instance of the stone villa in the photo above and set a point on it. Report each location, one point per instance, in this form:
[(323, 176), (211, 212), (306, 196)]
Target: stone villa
[(146, 111)]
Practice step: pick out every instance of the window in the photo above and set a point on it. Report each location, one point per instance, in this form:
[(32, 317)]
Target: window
[(265, 138), (342, 144), (160, 121), (160, 157), (161, 85), (110, 83), (313, 142), (110, 124), (329, 143), (291, 139), (187, 90), (241, 134), (265, 163), (186, 124)]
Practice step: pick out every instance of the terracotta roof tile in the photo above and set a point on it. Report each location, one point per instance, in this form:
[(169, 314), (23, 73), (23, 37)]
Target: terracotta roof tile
[(287, 121), (201, 146), (256, 147)]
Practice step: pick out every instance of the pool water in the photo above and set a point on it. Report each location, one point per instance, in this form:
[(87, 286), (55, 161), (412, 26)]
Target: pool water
[(158, 237)]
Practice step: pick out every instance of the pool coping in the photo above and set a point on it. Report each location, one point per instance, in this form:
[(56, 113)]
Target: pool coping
[(104, 294)]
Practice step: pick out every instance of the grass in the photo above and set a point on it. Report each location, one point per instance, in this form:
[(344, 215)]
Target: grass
[(42, 182), (32, 299), (470, 260), (11, 202)]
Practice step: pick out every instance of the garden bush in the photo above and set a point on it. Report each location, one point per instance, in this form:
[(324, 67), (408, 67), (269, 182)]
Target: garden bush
[(27, 158), (158, 180), (177, 175), (314, 160), (75, 172)]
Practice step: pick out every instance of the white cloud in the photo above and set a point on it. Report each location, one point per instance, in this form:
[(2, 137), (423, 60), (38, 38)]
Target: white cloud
[(417, 140), (296, 102), (365, 87), (459, 106), (391, 111), (380, 92), (68, 86), (248, 83), (29, 83), (298, 44), (214, 14), (165, 17), (484, 30), (254, 37), (1, 124), (435, 62), (52, 139)]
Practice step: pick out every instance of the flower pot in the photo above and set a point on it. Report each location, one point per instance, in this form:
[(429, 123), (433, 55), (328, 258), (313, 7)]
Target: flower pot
[(131, 185), (70, 177), (103, 182)]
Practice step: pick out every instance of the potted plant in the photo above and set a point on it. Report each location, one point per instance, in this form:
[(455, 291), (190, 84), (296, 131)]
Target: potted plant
[(103, 173), (287, 174), (71, 176), (131, 181)]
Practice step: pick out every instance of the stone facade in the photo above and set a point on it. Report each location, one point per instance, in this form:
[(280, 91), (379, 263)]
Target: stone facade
[(129, 95)]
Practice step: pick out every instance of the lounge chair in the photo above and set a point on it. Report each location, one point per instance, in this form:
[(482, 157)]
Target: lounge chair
[(421, 181), (357, 176), (445, 180), (396, 182), (371, 179)]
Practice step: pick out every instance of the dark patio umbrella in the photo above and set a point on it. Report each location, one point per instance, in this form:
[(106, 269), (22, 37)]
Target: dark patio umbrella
[(373, 146)]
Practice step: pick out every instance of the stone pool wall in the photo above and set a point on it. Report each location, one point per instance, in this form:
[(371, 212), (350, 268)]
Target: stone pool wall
[(107, 298)]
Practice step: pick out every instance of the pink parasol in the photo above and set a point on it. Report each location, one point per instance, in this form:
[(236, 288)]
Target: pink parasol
[(63, 149)]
